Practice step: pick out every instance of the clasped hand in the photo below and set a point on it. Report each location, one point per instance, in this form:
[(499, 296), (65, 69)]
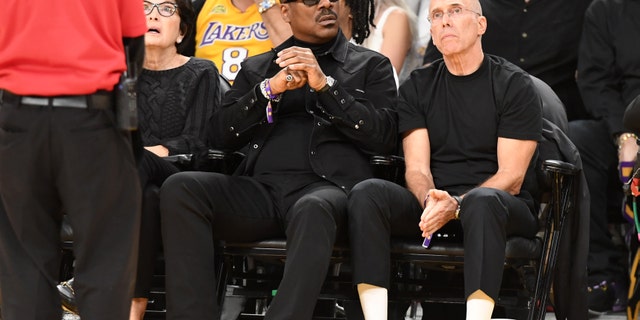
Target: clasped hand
[(299, 67), (440, 208)]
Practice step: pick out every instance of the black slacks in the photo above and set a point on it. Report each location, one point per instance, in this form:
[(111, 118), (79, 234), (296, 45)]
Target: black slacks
[(55, 160), (153, 171), (379, 209), (600, 161), (198, 207)]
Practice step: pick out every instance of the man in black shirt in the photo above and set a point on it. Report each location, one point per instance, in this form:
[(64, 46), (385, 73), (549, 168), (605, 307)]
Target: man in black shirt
[(470, 126), (609, 79), (539, 36), (312, 111)]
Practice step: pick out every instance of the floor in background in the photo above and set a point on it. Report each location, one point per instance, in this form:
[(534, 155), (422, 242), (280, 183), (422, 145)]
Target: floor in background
[(616, 316), (613, 316)]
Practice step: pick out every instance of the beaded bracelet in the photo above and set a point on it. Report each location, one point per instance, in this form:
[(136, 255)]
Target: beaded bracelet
[(623, 137), (265, 88)]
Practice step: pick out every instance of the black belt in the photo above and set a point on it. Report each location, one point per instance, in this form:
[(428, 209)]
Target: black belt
[(101, 100)]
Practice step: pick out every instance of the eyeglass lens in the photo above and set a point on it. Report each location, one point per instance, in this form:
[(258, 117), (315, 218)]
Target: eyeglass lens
[(166, 9)]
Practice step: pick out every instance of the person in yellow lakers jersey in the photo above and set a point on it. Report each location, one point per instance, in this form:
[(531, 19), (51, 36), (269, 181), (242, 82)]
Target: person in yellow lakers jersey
[(229, 31)]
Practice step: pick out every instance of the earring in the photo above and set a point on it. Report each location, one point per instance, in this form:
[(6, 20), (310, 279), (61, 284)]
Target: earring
[(179, 40)]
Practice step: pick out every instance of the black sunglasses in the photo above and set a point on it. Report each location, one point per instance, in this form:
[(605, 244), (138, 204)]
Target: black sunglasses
[(310, 3)]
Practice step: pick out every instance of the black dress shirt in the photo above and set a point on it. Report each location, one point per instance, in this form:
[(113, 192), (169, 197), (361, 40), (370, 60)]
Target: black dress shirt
[(541, 37), (609, 64), (347, 124)]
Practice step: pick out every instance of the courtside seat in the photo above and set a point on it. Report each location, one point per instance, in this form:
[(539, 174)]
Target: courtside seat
[(433, 275)]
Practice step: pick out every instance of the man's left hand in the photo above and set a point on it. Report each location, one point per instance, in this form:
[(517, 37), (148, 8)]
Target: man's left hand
[(302, 59)]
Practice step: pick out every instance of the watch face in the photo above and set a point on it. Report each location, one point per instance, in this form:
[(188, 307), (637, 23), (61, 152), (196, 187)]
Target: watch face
[(331, 81), (265, 4)]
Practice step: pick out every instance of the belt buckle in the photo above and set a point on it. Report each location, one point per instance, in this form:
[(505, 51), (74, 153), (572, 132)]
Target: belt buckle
[(79, 102), (34, 101)]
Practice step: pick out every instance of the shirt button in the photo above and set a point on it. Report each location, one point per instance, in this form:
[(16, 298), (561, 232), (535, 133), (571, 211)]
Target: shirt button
[(319, 124), (524, 10), (342, 101), (232, 129), (246, 108), (313, 153), (335, 92), (323, 176), (361, 122), (521, 59), (357, 127), (343, 187), (255, 146), (524, 35), (237, 134), (311, 111), (252, 100)]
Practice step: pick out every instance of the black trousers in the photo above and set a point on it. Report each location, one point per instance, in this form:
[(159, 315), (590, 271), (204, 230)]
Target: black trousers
[(600, 161), (379, 210), (198, 207), (153, 171), (55, 160)]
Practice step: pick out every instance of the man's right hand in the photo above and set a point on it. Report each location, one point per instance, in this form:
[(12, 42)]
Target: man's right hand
[(302, 60), (440, 208)]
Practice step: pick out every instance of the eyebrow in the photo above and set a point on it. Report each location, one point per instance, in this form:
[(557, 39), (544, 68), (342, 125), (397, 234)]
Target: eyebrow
[(455, 4)]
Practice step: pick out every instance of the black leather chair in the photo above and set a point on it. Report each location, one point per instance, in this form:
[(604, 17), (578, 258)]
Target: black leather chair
[(433, 275)]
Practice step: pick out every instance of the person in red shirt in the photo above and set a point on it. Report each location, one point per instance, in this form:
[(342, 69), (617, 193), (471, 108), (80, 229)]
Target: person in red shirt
[(61, 150)]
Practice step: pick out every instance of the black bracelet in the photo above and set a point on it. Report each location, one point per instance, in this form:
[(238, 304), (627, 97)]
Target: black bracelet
[(458, 199)]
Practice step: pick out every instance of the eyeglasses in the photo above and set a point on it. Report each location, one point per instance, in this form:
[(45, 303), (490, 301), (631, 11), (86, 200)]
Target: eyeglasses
[(310, 3), (453, 12), (165, 9)]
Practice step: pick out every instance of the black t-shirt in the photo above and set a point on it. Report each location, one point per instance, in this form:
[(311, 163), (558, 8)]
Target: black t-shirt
[(539, 36), (465, 115)]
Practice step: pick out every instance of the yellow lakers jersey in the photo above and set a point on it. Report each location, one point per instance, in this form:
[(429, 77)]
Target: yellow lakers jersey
[(227, 36)]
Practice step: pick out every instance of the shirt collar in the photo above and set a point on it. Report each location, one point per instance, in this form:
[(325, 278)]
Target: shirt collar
[(338, 50)]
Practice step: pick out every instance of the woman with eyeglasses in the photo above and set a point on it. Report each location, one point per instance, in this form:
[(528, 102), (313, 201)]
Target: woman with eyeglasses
[(176, 98)]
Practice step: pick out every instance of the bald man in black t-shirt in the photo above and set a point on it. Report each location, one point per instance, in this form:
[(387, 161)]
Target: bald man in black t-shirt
[(470, 125)]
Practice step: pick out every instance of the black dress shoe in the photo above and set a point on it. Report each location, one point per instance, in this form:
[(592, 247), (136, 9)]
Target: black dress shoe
[(68, 296)]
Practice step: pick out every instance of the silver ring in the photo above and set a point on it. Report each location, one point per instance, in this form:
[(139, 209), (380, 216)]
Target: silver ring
[(289, 78)]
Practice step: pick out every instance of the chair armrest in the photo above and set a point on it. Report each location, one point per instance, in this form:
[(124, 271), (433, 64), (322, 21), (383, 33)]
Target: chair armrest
[(388, 167), (563, 194), (222, 161), (179, 158), (182, 161), (560, 167)]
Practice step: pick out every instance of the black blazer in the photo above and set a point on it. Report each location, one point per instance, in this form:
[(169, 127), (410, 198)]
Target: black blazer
[(355, 119)]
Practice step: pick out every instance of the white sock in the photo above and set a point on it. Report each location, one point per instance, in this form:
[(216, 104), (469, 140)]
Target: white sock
[(479, 306), (373, 300)]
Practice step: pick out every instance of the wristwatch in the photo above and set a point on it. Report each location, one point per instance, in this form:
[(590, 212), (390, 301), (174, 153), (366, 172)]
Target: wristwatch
[(330, 82), (265, 5), (458, 199)]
